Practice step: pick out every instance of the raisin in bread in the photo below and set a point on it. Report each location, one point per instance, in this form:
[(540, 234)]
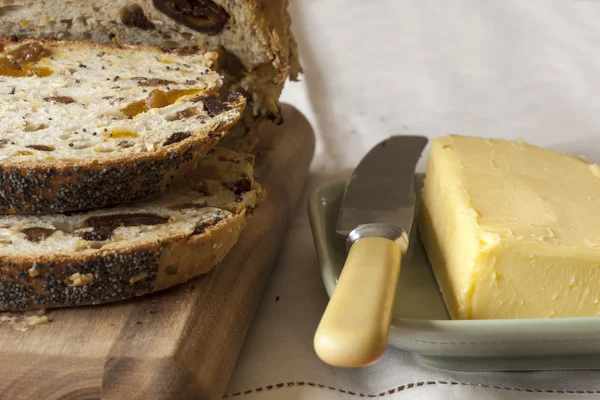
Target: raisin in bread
[(100, 256), (254, 37), (87, 125)]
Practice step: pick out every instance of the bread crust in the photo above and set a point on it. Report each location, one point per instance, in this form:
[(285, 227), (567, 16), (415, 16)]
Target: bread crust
[(41, 187), (138, 261), (99, 277), (273, 19)]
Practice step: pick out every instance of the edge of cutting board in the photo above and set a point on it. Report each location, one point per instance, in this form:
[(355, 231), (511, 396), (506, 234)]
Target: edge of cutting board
[(178, 343)]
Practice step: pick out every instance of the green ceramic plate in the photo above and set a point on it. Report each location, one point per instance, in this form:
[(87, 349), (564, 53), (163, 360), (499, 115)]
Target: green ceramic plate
[(421, 323)]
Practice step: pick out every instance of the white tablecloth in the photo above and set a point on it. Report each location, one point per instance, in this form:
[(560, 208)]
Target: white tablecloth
[(511, 69)]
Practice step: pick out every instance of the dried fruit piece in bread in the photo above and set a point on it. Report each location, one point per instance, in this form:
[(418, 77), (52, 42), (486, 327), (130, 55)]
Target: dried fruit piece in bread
[(254, 38), (87, 126), (117, 253)]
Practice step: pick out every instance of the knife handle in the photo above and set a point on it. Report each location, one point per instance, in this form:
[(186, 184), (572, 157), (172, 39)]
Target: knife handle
[(354, 329)]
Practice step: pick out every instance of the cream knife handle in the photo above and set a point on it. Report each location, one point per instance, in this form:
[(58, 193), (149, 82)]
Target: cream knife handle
[(353, 331)]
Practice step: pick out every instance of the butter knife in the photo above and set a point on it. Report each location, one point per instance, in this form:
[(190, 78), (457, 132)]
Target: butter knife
[(376, 218)]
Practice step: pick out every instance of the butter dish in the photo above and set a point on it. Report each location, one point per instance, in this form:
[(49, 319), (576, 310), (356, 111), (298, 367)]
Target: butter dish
[(421, 323)]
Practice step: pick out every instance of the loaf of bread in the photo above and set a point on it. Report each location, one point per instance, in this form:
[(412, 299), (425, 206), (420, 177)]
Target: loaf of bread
[(87, 126), (258, 52), (59, 260)]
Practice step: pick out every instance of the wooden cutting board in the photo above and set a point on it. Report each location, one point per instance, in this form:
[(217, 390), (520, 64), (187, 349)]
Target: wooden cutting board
[(178, 344)]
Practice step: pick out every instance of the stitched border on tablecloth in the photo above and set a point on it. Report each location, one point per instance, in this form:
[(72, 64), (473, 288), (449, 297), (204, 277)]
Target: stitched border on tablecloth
[(483, 342), (401, 388)]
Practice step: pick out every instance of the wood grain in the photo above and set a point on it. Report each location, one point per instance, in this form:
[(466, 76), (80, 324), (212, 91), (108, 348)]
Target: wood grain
[(178, 344)]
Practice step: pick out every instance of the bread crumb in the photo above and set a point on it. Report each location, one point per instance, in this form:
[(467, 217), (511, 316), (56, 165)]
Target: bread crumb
[(24, 321)]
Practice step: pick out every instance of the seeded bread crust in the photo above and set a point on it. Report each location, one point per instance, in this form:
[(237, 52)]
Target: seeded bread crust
[(256, 45), (35, 186), (140, 260), (118, 275)]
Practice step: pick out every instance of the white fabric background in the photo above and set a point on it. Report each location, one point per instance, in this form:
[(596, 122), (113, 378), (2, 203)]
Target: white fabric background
[(511, 69)]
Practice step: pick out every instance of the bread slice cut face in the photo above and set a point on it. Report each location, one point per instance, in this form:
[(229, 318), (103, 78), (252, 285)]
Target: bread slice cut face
[(86, 125), (95, 257)]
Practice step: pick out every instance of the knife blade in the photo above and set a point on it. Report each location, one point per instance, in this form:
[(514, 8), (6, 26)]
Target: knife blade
[(376, 217)]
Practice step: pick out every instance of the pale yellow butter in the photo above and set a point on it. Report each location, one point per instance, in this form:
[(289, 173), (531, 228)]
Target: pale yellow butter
[(512, 230)]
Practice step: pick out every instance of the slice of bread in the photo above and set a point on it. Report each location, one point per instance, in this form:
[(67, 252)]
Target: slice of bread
[(116, 253), (258, 52), (87, 126)]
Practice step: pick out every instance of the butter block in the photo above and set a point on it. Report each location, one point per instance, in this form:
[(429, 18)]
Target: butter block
[(511, 230)]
